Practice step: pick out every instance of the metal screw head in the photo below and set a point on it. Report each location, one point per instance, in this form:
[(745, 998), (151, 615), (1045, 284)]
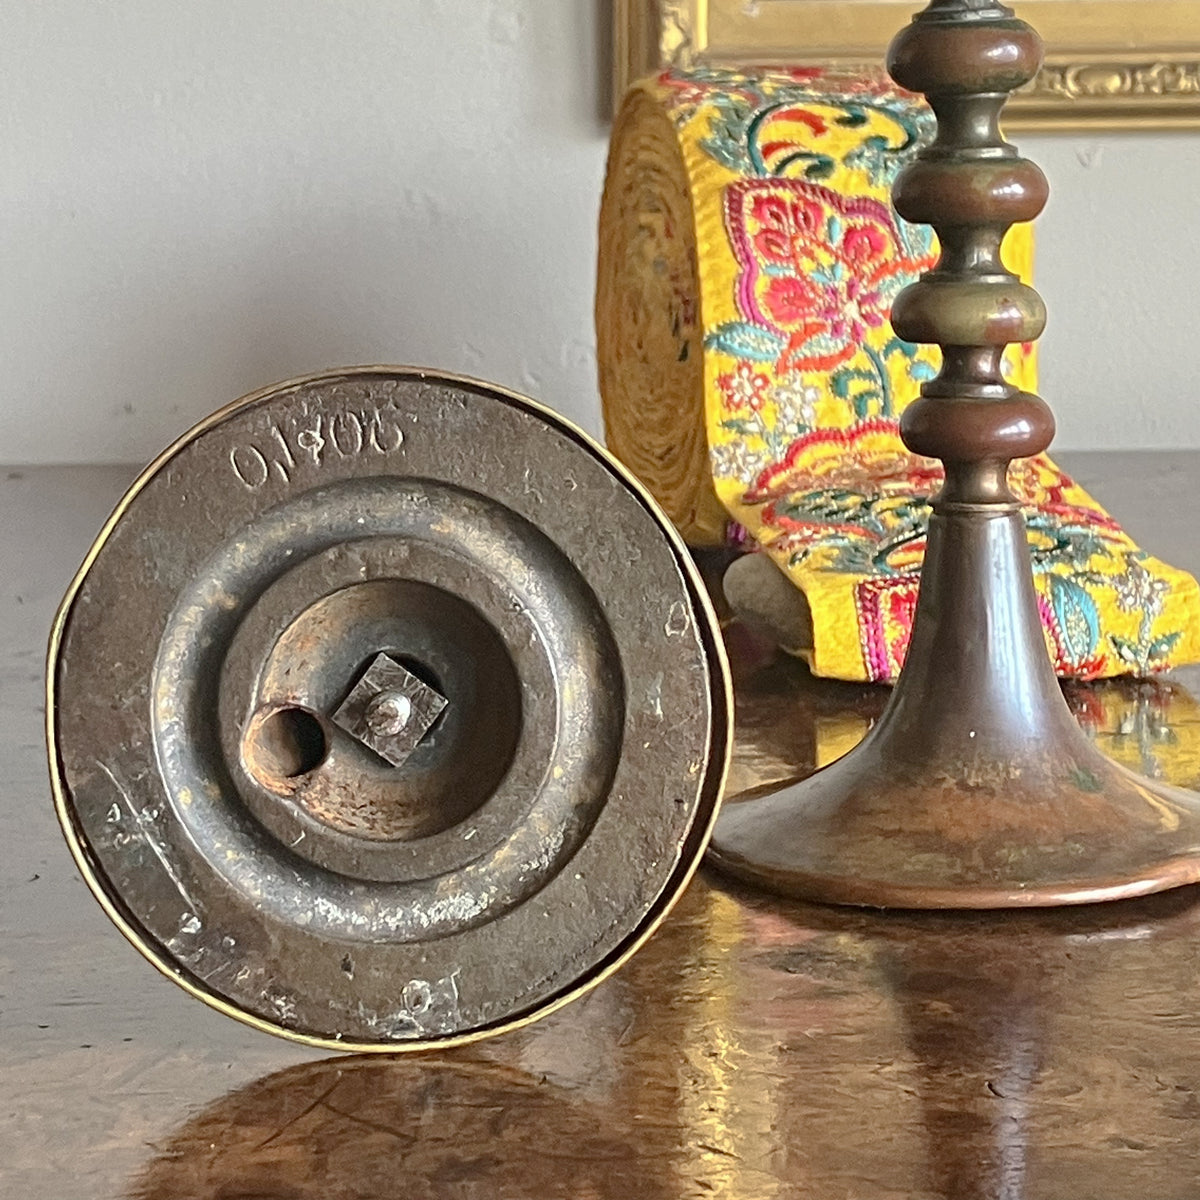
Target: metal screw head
[(390, 710), (388, 713)]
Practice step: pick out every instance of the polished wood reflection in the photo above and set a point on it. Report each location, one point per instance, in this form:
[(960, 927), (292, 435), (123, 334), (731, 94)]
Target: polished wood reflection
[(758, 1051), (755, 1049), (790, 723)]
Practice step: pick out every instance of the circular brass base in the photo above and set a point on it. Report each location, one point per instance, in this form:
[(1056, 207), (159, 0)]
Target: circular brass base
[(976, 789), (1078, 830), (362, 728)]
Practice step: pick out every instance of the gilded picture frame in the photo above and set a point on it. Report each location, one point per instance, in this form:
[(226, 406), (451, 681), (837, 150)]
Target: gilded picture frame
[(1110, 64)]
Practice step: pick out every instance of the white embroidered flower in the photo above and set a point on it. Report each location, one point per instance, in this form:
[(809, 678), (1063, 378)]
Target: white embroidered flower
[(796, 402), (735, 460), (744, 387), (1138, 590)]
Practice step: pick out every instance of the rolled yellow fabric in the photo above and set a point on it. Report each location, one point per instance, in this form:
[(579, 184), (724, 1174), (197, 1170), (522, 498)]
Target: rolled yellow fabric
[(749, 256)]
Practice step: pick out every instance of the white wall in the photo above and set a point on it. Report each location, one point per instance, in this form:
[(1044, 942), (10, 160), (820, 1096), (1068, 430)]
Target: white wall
[(200, 198)]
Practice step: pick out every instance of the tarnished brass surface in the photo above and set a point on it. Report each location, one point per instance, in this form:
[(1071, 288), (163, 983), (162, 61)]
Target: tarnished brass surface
[(975, 789), (754, 1049), (364, 730)]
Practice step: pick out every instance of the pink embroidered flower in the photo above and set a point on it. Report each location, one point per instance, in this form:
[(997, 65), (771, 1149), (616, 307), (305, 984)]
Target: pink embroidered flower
[(784, 225), (865, 244), (842, 294), (793, 300), (744, 388), (820, 269)]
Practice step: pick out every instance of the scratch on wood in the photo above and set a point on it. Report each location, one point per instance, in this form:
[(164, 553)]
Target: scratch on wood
[(312, 1107)]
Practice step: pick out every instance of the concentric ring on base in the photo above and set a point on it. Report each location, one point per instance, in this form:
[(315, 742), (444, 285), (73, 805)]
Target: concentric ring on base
[(271, 863)]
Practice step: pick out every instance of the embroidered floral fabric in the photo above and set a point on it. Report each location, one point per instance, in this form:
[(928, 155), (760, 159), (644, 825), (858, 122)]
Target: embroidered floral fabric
[(797, 258)]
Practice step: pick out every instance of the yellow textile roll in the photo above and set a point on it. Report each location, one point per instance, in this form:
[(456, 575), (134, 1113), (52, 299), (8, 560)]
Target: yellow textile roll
[(648, 320), (749, 256)]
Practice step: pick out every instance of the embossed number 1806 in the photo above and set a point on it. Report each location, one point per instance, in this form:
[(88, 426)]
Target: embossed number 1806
[(342, 435)]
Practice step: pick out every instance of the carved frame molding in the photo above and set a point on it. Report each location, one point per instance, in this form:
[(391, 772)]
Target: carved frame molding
[(1110, 64)]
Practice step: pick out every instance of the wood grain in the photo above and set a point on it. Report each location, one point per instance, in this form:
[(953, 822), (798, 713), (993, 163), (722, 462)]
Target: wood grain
[(753, 1050)]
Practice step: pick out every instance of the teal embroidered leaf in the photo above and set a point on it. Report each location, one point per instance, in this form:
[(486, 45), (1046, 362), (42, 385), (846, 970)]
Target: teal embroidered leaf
[(852, 118), (727, 153), (921, 372), (843, 377), (1161, 647), (1065, 543), (821, 168), (897, 345), (822, 343), (741, 428), (743, 340), (1077, 616), (1126, 650), (727, 134), (917, 240)]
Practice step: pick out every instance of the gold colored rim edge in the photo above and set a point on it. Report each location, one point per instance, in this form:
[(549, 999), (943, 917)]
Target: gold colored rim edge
[(720, 747)]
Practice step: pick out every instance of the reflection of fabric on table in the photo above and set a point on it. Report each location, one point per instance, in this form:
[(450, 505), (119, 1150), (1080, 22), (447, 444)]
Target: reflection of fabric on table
[(749, 256), (791, 724), (1150, 726)]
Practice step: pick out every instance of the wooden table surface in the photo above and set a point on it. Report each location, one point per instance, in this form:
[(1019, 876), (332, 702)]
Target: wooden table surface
[(752, 1050)]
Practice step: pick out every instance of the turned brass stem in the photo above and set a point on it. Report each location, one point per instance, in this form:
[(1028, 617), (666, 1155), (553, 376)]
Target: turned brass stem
[(976, 789)]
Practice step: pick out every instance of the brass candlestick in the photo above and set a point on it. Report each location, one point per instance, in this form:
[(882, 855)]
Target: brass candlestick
[(976, 789)]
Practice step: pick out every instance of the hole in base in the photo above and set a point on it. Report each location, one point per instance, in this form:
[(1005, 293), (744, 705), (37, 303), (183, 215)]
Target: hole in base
[(285, 744)]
